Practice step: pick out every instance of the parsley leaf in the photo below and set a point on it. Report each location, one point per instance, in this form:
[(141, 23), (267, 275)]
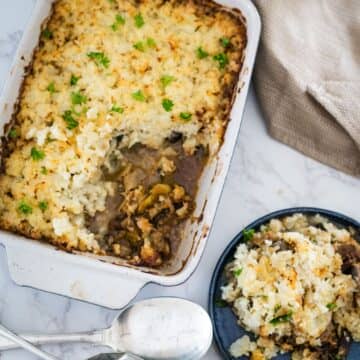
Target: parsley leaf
[(44, 170), (225, 42), (248, 234), (331, 306), (77, 98), (43, 205), (166, 80), (36, 154), (185, 115), (117, 109), (47, 33), (201, 53), (150, 42), (139, 21), (70, 121), (282, 318), (167, 104), (51, 88), (99, 58), (238, 272), (222, 59), (277, 308), (13, 133), (25, 208), (119, 20), (139, 46), (74, 79), (138, 96)]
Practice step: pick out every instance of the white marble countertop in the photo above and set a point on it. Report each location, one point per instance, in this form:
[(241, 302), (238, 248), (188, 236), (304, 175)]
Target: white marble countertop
[(265, 176)]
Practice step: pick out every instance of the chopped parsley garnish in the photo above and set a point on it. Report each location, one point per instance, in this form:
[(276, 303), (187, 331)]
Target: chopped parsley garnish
[(282, 318), (238, 272), (166, 80), (111, 1), (25, 208), (119, 20), (222, 59), (167, 104), (185, 115), (117, 109), (36, 154), (47, 33), (248, 234), (77, 98), (331, 306), (138, 96), (277, 308), (139, 21), (44, 170), (74, 79), (100, 58), (201, 53), (13, 134), (220, 303), (51, 88), (225, 42), (139, 46), (150, 42), (70, 121), (43, 205)]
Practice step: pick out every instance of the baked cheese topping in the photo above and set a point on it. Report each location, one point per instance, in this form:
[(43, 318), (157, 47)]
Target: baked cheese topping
[(141, 70)]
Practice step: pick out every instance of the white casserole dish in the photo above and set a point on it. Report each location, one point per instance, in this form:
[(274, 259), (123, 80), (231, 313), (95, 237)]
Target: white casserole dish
[(97, 279)]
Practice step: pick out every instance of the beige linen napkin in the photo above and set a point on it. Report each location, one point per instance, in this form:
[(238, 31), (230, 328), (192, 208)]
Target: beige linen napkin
[(307, 77)]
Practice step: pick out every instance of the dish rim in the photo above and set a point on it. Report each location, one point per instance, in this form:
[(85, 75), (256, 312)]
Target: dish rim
[(231, 247)]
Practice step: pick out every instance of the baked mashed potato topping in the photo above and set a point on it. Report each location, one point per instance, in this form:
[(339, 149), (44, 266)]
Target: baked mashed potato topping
[(295, 285), (109, 75)]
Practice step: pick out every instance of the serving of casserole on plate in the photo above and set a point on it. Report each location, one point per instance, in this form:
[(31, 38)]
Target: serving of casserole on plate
[(120, 109)]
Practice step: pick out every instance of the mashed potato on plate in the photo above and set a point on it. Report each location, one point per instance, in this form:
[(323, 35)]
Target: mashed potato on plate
[(295, 286)]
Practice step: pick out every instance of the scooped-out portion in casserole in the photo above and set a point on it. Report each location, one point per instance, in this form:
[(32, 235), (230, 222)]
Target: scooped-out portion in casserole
[(123, 105)]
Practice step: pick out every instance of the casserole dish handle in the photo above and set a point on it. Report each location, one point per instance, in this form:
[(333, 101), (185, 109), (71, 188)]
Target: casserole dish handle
[(46, 268)]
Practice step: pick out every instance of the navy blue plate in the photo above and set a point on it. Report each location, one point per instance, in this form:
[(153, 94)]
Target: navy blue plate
[(226, 329)]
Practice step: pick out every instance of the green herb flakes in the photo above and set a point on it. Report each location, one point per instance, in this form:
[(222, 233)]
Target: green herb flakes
[(51, 88), (139, 21), (166, 80), (44, 170), (151, 43), (167, 104), (225, 42), (222, 60), (70, 121), (282, 318), (77, 98), (100, 58), (138, 96), (201, 53), (13, 134), (36, 154), (248, 234), (43, 205), (74, 80), (117, 109), (25, 208), (47, 34), (119, 21), (185, 116), (331, 306), (237, 272), (139, 46)]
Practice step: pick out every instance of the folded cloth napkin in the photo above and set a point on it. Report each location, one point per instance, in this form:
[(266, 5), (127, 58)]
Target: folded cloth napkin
[(307, 77)]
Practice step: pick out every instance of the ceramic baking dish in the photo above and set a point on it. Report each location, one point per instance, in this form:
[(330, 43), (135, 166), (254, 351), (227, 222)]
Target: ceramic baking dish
[(103, 280)]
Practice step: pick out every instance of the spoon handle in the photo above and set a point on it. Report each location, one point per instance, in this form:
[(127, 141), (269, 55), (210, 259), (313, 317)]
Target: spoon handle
[(24, 344), (94, 337)]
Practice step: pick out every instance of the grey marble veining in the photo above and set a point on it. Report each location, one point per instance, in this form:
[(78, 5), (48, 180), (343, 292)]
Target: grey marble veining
[(265, 176)]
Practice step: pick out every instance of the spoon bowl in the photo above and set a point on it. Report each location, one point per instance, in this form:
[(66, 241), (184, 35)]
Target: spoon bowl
[(164, 328)]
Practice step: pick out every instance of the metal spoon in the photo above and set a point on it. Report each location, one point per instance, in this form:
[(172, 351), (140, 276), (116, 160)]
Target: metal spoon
[(160, 328)]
